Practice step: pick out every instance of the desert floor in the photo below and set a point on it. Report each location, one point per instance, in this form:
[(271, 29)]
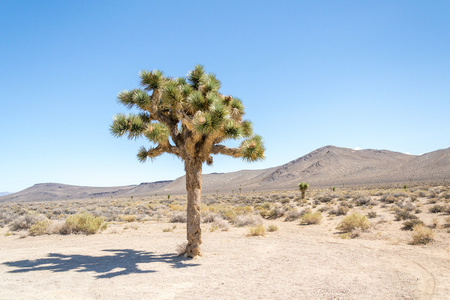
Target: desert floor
[(139, 261)]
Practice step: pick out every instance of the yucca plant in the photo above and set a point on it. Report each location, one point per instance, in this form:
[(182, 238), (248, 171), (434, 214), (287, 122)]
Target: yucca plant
[(303, 186), (189, 118)]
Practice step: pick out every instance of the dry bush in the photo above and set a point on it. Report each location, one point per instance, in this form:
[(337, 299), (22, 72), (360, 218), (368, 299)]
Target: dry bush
[(409, 225), (354, 221), (40, 228), (24, 222), (311, 218), (341, 210), (324, 198), (272, 228), (372, 214), (128, 218), (209, 217), (247, 220), (437, 209), (257, 230), (276, 212), (388, 198), (422, 235), (362, 200), (82, 223), (404, 215), (221, 223), (180, 217), (292, 215), (181, 248)]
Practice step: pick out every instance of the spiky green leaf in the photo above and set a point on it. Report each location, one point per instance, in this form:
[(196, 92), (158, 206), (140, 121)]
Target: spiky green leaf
[(156, 132), (195, 76), (152, 80), (252, 149), (247, 128), (142, 154), (232, 130), (141, 98)]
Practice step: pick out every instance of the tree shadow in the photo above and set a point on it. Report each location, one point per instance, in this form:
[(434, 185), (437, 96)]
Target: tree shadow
[(121, 262)]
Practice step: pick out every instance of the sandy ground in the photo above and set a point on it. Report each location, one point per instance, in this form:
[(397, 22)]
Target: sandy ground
[(294, 262)]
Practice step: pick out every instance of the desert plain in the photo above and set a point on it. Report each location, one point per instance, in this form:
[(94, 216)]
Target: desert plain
[(259, 245)]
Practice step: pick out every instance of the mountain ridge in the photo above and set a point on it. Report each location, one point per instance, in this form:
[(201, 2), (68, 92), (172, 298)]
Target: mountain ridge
[(325, 166)]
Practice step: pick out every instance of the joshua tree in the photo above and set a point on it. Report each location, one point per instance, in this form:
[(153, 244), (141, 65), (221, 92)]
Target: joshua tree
[(303, 186), (189, 118)]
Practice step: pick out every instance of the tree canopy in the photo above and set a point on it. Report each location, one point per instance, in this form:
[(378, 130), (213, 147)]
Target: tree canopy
[(187, 117)]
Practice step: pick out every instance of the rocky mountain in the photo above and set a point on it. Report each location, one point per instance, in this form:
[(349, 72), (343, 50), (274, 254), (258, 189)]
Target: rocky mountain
[(325, 167)]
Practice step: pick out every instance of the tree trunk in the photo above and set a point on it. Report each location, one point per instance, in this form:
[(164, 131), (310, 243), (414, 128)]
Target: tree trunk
[(303, 194), (194, 192)]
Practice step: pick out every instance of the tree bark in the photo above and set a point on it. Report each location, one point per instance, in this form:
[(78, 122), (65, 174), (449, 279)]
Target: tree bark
[(194, 192)]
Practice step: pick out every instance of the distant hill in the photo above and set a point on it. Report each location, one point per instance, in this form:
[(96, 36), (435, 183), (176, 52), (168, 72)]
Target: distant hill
[(326, 166), (4, 193)]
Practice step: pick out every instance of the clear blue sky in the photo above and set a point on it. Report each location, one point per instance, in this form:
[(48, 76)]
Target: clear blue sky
[(368, 74)]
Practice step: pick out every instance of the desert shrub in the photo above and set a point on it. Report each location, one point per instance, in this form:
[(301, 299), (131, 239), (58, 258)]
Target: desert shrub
[(24, 222), (324, 198), (209, 217), (257, 230), (354, 221), (272, 228), (274, 213), (311, 218), (409, 225), (247, 220), (82, 223), (388, 198), (404, 215), (292, 215), (422, 235), (372, 214), (447, 224), (285, 201), (436, 209), (128, 218), (323, 209), (40, 228), (432, 200), (362, 200), (341, 210), (221, 223), (180, 217)]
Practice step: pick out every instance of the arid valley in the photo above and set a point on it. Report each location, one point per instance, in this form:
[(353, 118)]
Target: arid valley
[(388, 240)]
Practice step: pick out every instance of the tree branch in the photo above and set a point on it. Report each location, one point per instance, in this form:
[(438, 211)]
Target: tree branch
[(221, 149)]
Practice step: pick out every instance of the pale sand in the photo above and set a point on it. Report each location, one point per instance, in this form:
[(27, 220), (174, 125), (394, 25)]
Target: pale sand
[(295, 262)]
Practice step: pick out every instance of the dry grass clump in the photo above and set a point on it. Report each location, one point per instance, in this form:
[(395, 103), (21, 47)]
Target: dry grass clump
[(311, 218), (247, 220), (372, 214), (179, 217), (24, 222), (40, 228), (257, 230), (82, 223), (272, 228), (409, 225), (128, 218), (341, 210), (354, 221), (437, 209), (402, 214), (422, 235)]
